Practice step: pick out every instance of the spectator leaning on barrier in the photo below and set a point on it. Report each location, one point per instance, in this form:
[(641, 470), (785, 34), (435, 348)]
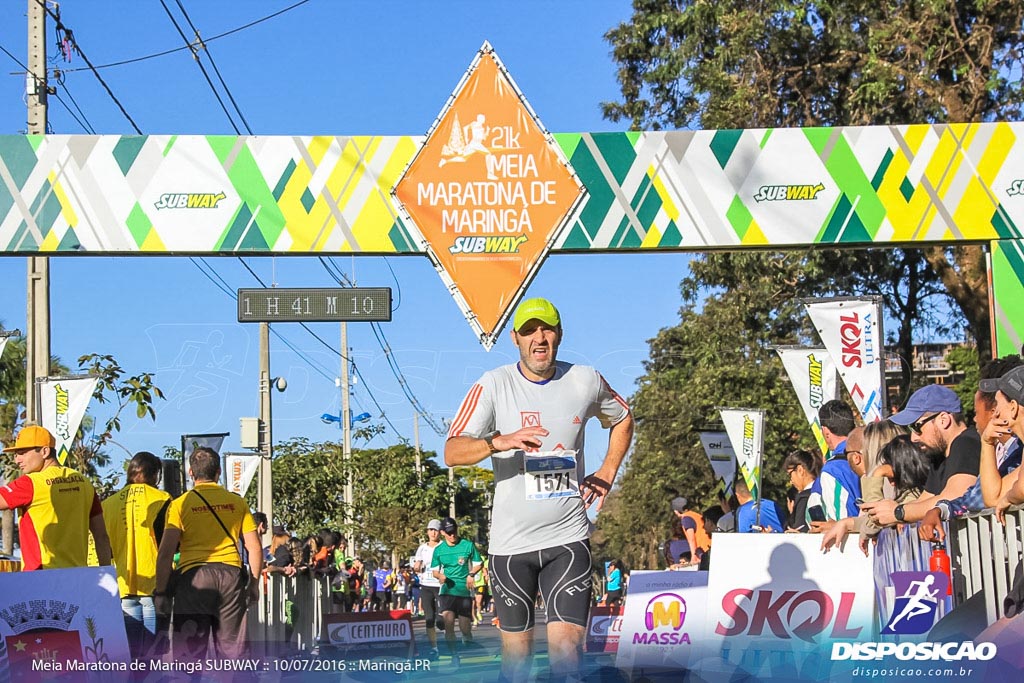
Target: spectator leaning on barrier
[(209, 591), (803, 468), (1009, 404), (838, 486), (691, 526), (134, 518), (936, 422), (1000, 455), (58, 506)]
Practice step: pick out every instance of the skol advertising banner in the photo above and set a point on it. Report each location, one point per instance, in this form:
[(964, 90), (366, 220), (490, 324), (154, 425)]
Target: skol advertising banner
[(663, 626), (239, 471), (745, 427), (813, 376), (63, 402), (722, 457), (62, 624), (777, 604), (489, 192), (851, 330)]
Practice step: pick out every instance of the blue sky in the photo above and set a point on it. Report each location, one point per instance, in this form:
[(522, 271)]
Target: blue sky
[(329, 68)]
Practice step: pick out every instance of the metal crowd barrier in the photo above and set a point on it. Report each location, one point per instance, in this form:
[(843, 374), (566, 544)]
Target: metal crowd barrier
[(898, 550), (984, 556), (289, 614)]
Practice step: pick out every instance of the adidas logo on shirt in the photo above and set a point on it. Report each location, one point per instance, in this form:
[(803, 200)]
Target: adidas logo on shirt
[(576, 420)]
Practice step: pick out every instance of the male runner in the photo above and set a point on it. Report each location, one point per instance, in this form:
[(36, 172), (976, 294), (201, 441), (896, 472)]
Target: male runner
[(529, 418)]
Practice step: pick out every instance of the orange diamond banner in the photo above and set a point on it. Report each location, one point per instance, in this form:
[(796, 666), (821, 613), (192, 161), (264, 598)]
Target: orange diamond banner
[(489, 192)]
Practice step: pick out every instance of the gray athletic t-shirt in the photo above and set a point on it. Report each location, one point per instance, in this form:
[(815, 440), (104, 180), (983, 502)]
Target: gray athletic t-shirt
[(504, 400)]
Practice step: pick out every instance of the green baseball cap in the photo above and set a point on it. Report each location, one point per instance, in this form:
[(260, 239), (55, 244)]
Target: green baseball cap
[(536, 309)]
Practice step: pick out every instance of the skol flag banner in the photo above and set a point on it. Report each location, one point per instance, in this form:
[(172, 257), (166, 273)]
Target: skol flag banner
[(62, 624), (722, 457), (489, 192), (190, 442), (813, 376), (239, 470), (745, 428), (63, 402), (851, 330)]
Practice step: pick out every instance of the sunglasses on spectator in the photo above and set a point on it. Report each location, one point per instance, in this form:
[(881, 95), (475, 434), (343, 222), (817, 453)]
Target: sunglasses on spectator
[(916, 426)]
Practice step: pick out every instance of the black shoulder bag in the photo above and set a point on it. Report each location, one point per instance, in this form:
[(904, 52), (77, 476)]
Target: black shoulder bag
[(244, 575)]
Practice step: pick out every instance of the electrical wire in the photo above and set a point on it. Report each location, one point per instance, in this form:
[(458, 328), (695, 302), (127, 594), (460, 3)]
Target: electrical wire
[(86, 128), (205, 41), (59, 77), (199, 63), (216, 71), (81, 53), (339, 276)]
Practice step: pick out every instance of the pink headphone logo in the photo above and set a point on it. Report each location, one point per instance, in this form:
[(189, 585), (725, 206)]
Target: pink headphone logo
[(665, 609)]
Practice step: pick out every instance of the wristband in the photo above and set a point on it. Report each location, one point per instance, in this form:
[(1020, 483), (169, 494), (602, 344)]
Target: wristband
[(943, 507)]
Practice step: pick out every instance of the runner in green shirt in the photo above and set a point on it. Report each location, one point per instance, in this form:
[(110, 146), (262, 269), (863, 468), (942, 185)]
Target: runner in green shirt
[(456, 564)]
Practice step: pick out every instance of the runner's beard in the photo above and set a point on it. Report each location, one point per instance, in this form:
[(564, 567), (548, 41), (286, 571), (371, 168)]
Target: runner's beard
[(537, 367)]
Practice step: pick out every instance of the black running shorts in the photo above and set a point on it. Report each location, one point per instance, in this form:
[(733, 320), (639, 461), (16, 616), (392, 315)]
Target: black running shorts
[(561, 574), (462, 606)]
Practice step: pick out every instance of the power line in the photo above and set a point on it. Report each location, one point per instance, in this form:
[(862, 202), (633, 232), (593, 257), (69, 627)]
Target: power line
[(209, 54), (78, 49), (340, 277), (206, 41), (59, 77), (86, 128), (199, 63)]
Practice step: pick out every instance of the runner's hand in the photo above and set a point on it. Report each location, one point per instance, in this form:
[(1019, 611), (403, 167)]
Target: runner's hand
[(526, 439), (593, 490)]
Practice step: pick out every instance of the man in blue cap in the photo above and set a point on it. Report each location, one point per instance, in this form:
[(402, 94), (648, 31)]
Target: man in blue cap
[(935, 418)]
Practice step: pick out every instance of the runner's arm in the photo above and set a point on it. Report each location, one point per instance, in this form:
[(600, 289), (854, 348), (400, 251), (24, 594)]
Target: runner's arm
[(596, 486), (468, 450)]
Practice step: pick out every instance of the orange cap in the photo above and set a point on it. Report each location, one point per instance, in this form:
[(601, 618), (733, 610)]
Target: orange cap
[(32, 436)]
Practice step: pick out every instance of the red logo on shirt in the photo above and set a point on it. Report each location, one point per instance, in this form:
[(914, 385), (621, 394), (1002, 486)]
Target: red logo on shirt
[(530, 418), (576, 420)]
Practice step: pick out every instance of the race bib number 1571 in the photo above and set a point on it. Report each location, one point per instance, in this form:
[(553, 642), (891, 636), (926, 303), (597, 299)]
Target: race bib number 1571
[(551, 474)]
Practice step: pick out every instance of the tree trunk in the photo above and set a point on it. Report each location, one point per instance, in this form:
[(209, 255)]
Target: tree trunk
[(966, 280)]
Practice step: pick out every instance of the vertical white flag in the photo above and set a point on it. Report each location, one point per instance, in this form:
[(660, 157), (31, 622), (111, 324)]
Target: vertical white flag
[(3, 343), (239, 470), (851, 330), (813, 376), (62, 405), (745, 427), (722, 457)]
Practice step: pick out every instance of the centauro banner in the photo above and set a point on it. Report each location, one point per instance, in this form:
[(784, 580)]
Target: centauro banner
[(239, 470), (63, 402), (813, 375), (851, 330), (722, 457), (745, 427), (489, 192)]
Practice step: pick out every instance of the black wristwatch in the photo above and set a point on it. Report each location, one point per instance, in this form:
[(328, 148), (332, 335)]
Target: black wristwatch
[(899, 513), (489, 440)]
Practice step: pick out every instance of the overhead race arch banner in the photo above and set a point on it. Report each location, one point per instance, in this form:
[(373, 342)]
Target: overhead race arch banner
[(488, 174), (813, 376), (851, 330)]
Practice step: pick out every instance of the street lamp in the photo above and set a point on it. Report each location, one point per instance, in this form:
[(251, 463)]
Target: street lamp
[(328, 418)]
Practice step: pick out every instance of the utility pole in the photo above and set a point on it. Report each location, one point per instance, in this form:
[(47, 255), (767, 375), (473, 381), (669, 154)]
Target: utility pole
[(346, 443), (416, 440), (266, 499), (37, 343)]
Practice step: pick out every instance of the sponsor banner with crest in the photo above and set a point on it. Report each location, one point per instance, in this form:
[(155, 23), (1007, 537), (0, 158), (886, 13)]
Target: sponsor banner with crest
[(776, 604), (61, 624), (851, 330), (812, 373), (63, 402), (722, 457), (745, 427), (663, 625)]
